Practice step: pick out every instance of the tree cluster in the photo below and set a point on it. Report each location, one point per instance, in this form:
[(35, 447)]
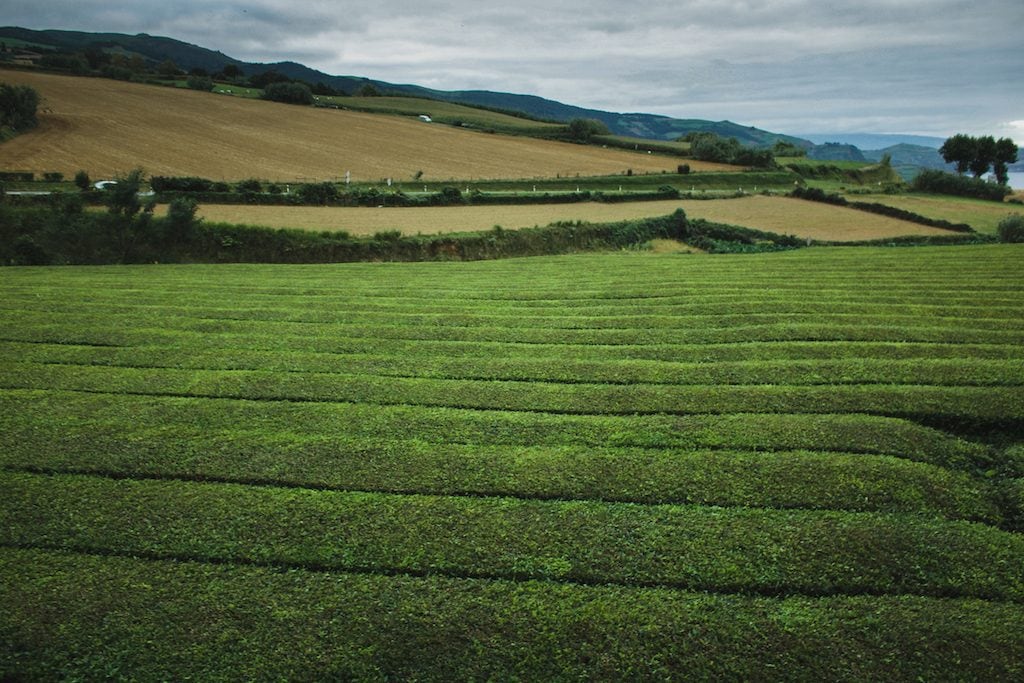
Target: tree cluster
[(583, 130), (707, 146), (978, 155), (18, 105)]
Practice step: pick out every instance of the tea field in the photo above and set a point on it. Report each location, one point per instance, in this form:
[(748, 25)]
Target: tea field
[(798, 465)]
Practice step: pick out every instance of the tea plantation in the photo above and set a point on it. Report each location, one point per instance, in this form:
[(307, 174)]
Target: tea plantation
[(801, 465)]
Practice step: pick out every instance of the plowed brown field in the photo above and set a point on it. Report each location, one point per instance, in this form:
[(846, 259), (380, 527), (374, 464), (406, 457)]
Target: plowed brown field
[(773, 214), (107, 127)]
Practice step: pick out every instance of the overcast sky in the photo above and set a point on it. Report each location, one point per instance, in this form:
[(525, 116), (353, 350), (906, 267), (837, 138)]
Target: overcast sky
[(932, 67)]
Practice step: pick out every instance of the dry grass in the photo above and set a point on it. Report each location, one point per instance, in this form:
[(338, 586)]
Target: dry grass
[(774, 214), (806, 219), (983, 216), (108, 127)]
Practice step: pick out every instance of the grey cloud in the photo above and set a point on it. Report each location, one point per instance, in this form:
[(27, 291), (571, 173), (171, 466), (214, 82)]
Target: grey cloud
[(789, 65)]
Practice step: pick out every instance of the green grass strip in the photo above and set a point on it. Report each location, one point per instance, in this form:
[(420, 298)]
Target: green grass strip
[(31, 421), (780, 479), (212, 622), (981, 404), (518, 365), (698, 548)]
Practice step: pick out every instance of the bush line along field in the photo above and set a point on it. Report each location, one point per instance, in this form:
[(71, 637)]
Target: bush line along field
[(780, 215), (586, 466)]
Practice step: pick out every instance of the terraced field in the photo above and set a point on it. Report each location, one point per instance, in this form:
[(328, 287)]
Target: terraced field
[(796, 465)]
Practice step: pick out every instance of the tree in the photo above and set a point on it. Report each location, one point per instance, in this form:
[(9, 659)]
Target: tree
[(129, 218), (290, 93), (231, 71), (984, 155), (582, 130), (960, 150), (1006, 154), (18, 105), (82, 181), (168, 69)]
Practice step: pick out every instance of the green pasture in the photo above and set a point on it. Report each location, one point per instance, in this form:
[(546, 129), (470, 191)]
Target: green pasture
[(798, 465)]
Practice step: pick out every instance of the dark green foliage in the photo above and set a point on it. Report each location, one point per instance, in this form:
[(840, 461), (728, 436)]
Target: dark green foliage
[(251, 185), (940, 182), (172, 620), (712, 147), (203, 83), (584, 130), (289, 93), (82, 181), (318, 193), (180, 220), (1011, 228), (979, 154), (180, 184), (266, 78), (18, 105)]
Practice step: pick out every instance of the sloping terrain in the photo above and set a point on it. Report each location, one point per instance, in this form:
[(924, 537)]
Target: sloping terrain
[(593, 467), (108, 127), (780, 215)]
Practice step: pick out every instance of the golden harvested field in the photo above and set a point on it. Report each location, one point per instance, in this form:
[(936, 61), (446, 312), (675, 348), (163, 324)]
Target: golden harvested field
[(774, 214), (981, 215), (107, 127)]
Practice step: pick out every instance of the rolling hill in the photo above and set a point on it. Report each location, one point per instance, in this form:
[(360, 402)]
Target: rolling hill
[(158, 49), (110, 127)]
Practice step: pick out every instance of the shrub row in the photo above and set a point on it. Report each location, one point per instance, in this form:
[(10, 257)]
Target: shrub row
[(730, 478), (627, 343), (819, 195), (941, 182), (40, 236), (76, 420), (690, 547), (534, 365), (307, 625), (958, 406)]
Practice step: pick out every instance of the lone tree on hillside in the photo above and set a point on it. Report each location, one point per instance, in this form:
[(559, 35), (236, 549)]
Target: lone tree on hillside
[(582, 130), (977, 155), (18, 105)]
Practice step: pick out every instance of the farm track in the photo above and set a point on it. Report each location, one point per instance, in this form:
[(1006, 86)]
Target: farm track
[(743, 435)]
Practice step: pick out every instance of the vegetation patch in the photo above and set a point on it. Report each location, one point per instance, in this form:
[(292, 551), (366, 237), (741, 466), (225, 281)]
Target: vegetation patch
[(537, 466)]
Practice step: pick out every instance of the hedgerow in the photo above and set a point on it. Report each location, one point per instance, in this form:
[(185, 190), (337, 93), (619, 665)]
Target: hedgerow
[(694, 548)]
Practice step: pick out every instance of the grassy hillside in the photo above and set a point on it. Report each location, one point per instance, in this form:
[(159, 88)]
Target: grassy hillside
[(806, 463), (155, 49), (107, 127)]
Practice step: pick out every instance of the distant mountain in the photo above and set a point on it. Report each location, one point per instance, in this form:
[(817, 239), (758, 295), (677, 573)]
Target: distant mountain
[(186, 56), (835, 151), (875, 140)]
